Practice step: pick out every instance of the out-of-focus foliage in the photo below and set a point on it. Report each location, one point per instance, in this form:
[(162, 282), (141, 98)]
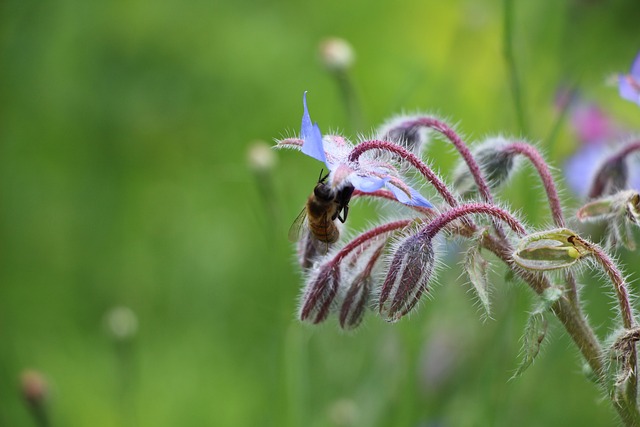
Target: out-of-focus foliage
[(124, 128)]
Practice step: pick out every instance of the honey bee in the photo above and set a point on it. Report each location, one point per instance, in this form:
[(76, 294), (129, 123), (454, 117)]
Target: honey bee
[(323, 207)]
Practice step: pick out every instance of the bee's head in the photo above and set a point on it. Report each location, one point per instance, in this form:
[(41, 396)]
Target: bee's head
[(324, 192)]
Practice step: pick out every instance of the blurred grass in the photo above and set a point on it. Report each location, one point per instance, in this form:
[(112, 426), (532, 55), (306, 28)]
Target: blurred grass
[(123, 133)]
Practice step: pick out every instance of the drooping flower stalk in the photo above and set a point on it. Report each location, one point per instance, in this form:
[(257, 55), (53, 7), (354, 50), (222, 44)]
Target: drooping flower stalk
[(435, 226), (613, 174), (541, 166), (369, 235), (627, 149), (467, 156), (460, 146), (409, 157), (626, 311)]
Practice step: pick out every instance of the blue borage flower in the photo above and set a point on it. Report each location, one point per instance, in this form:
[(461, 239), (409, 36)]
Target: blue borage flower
[(368, 174), (629, 84)]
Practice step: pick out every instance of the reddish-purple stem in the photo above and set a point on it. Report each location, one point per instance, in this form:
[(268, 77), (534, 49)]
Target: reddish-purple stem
[(626, 150), (409, 157), (451, 135), (612, 163), (626, 312), (472, 208), (371, 234), (538, 162)]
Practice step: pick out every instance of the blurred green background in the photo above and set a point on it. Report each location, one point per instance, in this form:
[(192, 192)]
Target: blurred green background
[(124, 129)]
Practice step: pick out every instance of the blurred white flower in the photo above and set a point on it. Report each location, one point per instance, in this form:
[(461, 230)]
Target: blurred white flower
[(121, 322)]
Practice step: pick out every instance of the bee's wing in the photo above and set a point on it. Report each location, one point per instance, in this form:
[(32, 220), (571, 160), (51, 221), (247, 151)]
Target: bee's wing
[(295, 230)]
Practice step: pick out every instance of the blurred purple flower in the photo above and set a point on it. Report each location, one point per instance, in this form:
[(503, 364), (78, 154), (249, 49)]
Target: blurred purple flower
[(629, 84)]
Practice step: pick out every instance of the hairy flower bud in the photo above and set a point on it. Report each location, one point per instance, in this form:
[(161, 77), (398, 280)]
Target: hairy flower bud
[(355, 302), (550, 250), (407, 278), (405, 131), (319, 294), (496, 164)]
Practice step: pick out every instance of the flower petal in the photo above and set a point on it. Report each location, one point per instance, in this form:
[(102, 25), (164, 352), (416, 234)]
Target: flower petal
[(416, 198), (367, 184), (635, 67), (310, 133), (627, 89)]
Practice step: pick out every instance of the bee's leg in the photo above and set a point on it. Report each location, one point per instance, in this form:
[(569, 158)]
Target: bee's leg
[(345, 211)]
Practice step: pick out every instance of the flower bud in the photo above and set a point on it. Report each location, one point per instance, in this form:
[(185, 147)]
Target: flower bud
[(550, 250), (319, 294), (336, 54), (407, 278), (496, 164), (355, 302), (405, 131)]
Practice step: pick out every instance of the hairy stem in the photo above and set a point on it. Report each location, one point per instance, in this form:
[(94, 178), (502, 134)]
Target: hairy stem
[(472, 208), (541, 166), (409, 157), (461, 147), (611, 170), (628, 149), (572, 319), (371, 234), (626, 311)]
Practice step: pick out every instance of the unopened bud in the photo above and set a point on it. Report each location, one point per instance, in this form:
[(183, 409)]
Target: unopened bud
[(408, 276), (496, 164), (355, 302), (550, 250), (406, 131), (336, 54), (260, 157), (319, 294)]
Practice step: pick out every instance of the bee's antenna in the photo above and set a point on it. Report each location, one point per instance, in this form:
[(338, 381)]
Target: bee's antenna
[(323, 178)]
